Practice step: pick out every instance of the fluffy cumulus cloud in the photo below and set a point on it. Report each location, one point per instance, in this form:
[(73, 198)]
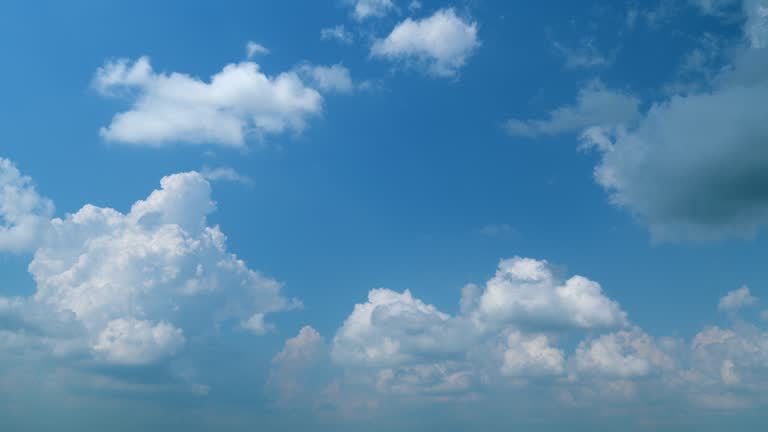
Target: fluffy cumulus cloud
[(395, 344), (527, 292), (133, 288), (24, 214), (396, 350), (441, 44), (518, 334), (236, 103), (392, 328)]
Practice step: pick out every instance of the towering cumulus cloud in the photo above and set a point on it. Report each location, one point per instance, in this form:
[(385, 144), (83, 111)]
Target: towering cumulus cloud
[(136, 287)]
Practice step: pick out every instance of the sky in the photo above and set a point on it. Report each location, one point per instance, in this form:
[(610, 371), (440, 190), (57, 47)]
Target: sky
[(383, 215)]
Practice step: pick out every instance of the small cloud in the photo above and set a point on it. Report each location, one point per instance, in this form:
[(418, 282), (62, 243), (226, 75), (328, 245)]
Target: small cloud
[(736, 300), (337, 33), (225, 174), (363, 9), (253, 49), (441, 43), (334, 78)]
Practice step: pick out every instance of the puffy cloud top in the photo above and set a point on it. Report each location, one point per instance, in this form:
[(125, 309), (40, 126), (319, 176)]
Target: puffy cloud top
[(737, 299), (238, 102), (525, 292), (132, 286), (442, 42), (24, 214)]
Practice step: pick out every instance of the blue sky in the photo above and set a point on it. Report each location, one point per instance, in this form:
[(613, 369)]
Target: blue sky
[(571, 193)]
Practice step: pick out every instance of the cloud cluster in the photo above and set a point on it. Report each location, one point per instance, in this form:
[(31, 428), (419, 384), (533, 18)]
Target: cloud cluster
[(133, 288), (397, 349), (441, 43), (396, 344)]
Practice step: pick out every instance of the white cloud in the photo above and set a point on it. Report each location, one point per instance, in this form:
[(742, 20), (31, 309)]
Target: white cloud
[(363, 9), (441, 43), (239, 102), (334, 78), (253, 49), (737, 299), (130, 288), (338, 33), (390, 329), (526, 292), (437, 379), (24, 214), (531, 356), (595, 106), (506, 329), (131, 341), (623, 354), (395, 349)]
